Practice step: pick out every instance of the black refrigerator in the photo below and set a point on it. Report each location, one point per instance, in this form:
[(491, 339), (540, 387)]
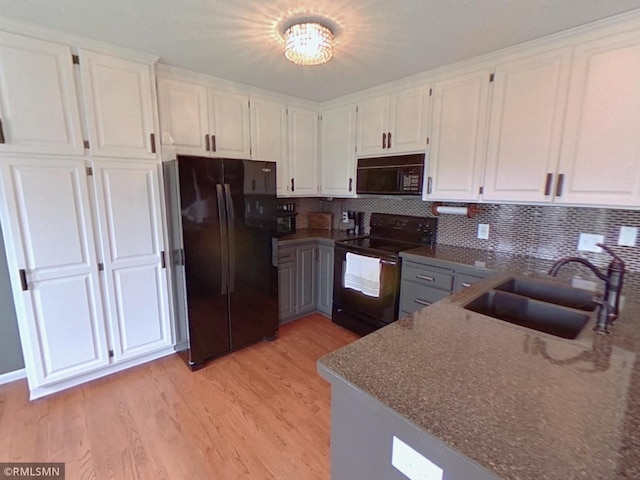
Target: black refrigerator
[(222, 229)]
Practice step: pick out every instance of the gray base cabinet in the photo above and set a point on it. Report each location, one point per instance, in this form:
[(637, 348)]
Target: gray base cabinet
[(425, 281), (362, 440), (297, 280), (305, 278), (325, 278)]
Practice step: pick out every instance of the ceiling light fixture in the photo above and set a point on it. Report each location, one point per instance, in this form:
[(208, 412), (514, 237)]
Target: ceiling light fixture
[(308, 43)]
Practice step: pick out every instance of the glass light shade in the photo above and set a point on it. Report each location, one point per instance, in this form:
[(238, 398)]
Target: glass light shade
[(308, 44)]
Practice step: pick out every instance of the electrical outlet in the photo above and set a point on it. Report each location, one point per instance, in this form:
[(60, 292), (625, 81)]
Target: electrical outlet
[(588, 241), (628, 236), (345, 217), (412, 464), (483, 231)]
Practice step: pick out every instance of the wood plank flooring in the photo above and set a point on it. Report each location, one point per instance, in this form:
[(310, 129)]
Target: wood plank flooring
[(259, 413)]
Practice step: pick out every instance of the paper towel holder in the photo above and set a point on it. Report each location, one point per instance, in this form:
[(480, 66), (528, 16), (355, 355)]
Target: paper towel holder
[(470, 210)]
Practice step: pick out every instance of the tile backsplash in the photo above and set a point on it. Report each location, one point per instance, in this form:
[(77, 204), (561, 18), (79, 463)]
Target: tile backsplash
[(539, 231)]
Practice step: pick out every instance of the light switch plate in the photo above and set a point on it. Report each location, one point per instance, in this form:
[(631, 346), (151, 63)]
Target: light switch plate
[(588, 242), (345, 217), (628, 236)]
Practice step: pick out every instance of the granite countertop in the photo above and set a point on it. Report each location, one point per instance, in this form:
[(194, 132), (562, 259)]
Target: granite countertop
[(309, 234), (524, 404)]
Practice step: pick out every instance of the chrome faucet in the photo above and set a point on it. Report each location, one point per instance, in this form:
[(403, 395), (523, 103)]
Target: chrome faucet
[(609, 307)]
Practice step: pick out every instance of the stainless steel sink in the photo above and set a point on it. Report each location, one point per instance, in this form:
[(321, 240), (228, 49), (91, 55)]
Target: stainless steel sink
[(539, 305), (550, 293)]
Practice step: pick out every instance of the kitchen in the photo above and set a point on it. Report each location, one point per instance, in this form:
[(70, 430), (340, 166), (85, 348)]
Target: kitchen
[(522, 220)]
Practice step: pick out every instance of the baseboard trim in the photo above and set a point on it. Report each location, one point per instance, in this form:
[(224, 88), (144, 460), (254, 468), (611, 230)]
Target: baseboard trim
[(13, 376)]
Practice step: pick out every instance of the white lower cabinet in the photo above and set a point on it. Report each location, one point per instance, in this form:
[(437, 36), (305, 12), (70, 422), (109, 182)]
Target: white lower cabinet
[(80, 317), (135, 284)]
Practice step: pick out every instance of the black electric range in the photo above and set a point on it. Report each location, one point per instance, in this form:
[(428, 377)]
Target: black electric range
[(389, 235)]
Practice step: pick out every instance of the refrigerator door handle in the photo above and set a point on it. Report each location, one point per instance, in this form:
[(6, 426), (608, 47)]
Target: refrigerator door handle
[(222, 218), (232, 238)]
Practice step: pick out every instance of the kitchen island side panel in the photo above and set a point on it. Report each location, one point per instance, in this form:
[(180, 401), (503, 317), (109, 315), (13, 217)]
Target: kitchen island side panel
[(362, 433)]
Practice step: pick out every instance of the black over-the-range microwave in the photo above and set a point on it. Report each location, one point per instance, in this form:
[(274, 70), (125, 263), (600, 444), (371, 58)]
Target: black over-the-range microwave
[(396, 175)]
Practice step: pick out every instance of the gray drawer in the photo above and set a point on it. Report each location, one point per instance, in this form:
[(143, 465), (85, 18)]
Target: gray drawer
[(428, 276), (414, 296), (464, 280)]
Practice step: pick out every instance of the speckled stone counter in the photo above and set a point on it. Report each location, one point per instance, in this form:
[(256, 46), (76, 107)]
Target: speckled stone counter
[(309, 234), (522, 404)]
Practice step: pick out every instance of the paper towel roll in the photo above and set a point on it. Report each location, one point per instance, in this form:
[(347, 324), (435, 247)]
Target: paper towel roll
[(441, 209)]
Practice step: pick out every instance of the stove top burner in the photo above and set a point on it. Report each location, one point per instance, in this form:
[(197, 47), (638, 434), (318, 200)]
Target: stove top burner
[(392, 234)]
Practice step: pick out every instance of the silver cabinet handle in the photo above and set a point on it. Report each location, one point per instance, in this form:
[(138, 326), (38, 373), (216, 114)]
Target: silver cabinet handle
[(465, 284), (422, 302), (424, 277)]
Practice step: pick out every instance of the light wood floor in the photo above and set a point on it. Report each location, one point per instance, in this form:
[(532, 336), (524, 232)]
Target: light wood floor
[(259, 413)]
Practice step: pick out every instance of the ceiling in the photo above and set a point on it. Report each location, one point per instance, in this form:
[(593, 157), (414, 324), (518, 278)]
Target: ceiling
[(376, 41)]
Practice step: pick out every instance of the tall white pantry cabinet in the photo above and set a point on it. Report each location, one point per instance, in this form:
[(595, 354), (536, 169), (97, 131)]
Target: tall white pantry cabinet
[(81, 209)]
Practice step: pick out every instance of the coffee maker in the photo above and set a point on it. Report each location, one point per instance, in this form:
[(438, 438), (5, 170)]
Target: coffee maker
[(358, 223)]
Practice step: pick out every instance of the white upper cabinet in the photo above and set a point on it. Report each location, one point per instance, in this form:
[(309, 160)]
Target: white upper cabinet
[(525, 130), (395, 123), (120, 106), (338, 152), (600, 161), (184, 116), (38, 98), (458, 137), (269, 138), (303, 151), (202, 121), (230, 136)]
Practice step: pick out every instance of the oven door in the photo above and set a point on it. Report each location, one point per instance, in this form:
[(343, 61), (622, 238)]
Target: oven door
[(374, 312)]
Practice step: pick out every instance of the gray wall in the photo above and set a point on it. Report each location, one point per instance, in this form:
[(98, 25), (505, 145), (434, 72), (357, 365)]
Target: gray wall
[(10, 349)]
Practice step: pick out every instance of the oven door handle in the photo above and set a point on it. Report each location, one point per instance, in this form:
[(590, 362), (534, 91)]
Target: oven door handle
[(388, 262)]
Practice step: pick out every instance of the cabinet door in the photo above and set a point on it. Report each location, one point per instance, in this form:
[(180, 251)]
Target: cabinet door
[(38, 99), (408, 120), (229, 120), (287, 286), (338, 152), (325, 279), (269, 138), (600, 160), (460, 108), (529, 98), (184, 119), (303, 152), (48, 232), (306, 278), (373, 126), (120, 106), (128, 201)]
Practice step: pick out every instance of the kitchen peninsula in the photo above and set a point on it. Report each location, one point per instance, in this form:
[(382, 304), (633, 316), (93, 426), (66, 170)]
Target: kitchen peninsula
[(484, 399)]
